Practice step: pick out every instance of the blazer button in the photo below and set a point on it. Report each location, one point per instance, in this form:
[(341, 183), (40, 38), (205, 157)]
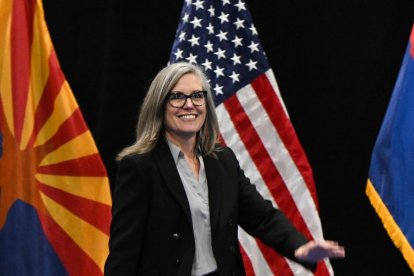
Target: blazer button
[(177, 262), (176, 236), (230, 223), (232, 249)]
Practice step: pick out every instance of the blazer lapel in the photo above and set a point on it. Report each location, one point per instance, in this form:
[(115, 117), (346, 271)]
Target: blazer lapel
[(169, 173), (214, 182)]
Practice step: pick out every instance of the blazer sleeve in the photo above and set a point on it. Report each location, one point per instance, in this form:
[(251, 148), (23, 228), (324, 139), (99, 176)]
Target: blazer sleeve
[(261, 219), (129, 213)]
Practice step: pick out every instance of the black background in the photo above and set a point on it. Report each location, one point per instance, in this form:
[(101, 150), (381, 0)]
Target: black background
[(336, 63)]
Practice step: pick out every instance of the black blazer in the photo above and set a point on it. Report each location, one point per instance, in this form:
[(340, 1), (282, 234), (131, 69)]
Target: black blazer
[(151, 229)]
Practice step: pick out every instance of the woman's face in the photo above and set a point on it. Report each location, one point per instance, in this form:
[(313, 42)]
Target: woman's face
[(184, 122)]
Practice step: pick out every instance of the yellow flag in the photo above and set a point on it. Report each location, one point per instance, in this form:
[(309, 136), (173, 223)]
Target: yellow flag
[(55, 204)]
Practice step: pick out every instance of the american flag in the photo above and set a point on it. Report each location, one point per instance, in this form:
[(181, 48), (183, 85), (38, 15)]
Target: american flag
[(220, 36)]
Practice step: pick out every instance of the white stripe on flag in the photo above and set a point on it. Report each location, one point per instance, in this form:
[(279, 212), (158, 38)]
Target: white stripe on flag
[(297, 269), (249, 244)]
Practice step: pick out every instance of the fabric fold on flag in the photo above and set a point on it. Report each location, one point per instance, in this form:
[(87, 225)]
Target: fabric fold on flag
[(390, 185), (55, 202), (221, 37)]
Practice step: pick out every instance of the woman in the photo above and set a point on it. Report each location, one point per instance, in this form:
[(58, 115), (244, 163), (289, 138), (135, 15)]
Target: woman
[(180, 197)]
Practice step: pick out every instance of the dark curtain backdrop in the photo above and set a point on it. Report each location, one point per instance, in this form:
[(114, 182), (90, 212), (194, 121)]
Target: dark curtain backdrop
[(336, 63)]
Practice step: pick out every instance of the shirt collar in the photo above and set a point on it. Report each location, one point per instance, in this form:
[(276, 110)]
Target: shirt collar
[(176, 151)]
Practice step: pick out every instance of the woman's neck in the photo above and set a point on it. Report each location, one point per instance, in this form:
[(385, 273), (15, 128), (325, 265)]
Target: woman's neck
[(186, 145)]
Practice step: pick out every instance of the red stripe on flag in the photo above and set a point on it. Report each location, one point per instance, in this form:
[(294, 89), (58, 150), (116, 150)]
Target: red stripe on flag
[(68, 130), (90, 165), (275, 110), (322, 269), (21, 40), (46, 103), (93, 212), (248, 267), (279, 264), (264, 163), (74, 259)]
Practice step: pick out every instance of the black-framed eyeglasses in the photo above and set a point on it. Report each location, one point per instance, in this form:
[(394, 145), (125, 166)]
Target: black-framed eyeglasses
[(178, 99)]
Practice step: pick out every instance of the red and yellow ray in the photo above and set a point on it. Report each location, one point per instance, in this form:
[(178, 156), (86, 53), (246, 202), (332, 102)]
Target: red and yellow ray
[(49, 160)]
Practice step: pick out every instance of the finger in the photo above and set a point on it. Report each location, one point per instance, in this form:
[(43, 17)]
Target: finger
[(337, 253)]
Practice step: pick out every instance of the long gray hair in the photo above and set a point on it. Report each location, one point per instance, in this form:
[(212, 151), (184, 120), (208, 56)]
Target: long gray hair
[(151, 117)]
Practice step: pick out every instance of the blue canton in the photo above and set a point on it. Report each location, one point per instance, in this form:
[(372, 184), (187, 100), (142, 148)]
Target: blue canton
[(221, 37)]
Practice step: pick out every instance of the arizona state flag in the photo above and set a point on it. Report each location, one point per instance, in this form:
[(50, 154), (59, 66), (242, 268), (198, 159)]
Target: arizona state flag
[(54, 192), (390, 185)]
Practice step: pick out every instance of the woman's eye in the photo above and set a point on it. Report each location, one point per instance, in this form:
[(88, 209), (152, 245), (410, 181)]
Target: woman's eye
[(198, 95)]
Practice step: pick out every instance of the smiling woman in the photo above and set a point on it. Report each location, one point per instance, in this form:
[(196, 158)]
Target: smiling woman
[(180, 196)]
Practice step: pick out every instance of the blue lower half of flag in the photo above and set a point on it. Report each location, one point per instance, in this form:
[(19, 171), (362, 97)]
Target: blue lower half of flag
[(24, 249)]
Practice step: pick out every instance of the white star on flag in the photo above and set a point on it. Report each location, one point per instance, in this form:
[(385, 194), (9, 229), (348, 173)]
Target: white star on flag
[(209, 46), (196, 22), (210, 28), (219, 71), (207, 65), (218, 89), (198, 4), (237, 41), (236, 59), (178, 54), (251, 64), (220, 53), (192, 58), (211, 10), (239, 23), (253, 29), (222, 35), (234, 77), (194, 40), (240, 6), (224, 17), (181, 37), (254, 47)]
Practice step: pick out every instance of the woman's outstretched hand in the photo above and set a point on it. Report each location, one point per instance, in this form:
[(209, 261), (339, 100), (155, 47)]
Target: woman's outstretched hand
[(315, 251)]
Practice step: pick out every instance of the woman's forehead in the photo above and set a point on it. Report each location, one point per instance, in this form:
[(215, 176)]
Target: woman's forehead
[(189, 80)]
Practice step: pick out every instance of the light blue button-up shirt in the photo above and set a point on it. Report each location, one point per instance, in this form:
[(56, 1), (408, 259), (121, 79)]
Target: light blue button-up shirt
[(197, 195)]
